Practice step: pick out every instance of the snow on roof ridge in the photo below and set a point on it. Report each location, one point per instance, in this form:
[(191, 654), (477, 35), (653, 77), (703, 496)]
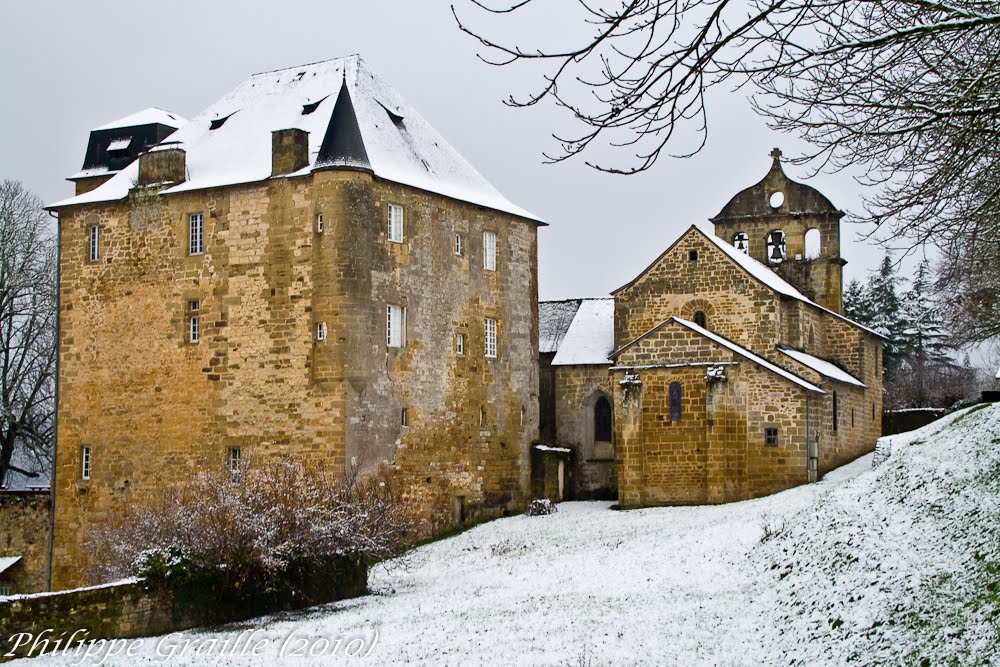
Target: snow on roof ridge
[(146, 116), (742, 351), (590, 338), (822, 366), (355, 56)]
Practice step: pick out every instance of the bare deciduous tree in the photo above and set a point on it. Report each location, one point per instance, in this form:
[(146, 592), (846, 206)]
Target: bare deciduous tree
[(906, 90), (27, 332)]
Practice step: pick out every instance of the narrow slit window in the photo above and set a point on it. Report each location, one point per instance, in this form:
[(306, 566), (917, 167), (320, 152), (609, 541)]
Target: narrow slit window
[(460, 345), (835, 411), (459, 243), (93, 243), (196, 234), (319, 223), (490, 251), (404, 417), (482, 416)]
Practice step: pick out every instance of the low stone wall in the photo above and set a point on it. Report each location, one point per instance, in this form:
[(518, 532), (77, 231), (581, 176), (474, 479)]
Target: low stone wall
[(901, 421), (134, 609), (24, 532)]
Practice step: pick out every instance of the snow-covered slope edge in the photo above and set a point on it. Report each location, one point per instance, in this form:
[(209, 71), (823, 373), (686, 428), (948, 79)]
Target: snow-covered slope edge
[(900, 566)]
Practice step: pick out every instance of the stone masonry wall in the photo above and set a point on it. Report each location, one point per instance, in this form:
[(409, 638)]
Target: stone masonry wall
[(156, 409), (24, 532), (717, 451), (736, 306), (577, 389)]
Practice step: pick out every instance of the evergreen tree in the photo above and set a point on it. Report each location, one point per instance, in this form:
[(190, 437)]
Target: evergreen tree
[(887, 313), (858, 304), (923, 342)]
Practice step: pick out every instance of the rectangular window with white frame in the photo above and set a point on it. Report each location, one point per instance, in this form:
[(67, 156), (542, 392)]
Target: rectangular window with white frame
[(194, 321), (459, 244), (460, 345), (395, 223), (319, 223), (234, 463), (93, 243), (321, 331), (85, 462), (490, 337), (490, 251), (395, 326), (196, 234)]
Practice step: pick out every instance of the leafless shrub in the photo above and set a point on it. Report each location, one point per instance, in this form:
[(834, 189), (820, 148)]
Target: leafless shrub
[(269, 520)]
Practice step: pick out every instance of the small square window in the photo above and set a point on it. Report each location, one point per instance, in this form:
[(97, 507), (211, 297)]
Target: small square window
[(85, 462), (490, 251), (460, 345), (93, 243), (395, 223), (459, 244), (193, 305), (770, 437), (490, 337), (693, 255), (196, 234), (395, 326), (319, 223), (321, 331)]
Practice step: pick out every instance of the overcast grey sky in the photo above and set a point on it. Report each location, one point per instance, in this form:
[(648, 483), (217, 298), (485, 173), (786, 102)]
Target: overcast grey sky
[(72, 66)]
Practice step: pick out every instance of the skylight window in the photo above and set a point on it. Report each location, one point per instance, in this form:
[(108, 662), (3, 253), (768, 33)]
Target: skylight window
[(119, 144), (219, 122)]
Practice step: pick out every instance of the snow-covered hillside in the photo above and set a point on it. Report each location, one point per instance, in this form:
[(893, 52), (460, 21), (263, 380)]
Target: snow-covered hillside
[(887, 566)]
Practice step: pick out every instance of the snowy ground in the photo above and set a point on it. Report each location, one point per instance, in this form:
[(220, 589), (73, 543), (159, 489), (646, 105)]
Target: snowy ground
[(885, 566)]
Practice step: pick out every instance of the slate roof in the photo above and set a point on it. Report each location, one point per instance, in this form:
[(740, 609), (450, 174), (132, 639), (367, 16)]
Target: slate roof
[(554, 318), (397, 143)]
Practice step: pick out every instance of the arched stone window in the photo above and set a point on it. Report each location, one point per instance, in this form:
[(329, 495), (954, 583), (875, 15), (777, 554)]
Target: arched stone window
[(742, 242), (602, 420), (700, 319), (812, 244), (776, 246), (675, 401)]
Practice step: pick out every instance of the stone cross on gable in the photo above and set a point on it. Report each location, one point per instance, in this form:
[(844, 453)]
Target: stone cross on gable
[(776, 154)]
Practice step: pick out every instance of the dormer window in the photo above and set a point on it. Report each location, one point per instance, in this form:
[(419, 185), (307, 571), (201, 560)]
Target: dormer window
[(312, 106), (219, 122)]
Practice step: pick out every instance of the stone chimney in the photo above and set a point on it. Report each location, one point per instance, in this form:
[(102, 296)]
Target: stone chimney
[(289, 151), (167, 165)]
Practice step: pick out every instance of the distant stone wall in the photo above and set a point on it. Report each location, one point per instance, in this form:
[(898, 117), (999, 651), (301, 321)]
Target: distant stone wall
[(24, 532), (137, 610)]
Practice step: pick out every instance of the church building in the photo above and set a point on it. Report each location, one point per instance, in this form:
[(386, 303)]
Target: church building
[(724, 371)]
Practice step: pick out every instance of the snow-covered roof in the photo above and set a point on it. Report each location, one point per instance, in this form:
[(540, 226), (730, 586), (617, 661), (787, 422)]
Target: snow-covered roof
[(823, 367), (730, 345), (399, 145), (590, 339), (149, 116), (6, 562), (554, 318)]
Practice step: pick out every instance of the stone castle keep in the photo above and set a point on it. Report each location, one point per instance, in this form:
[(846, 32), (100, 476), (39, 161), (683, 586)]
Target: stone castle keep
[(308, 270)]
